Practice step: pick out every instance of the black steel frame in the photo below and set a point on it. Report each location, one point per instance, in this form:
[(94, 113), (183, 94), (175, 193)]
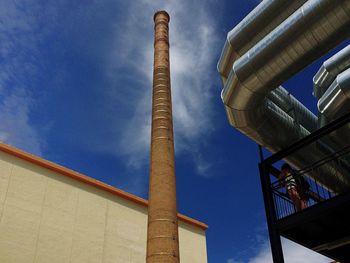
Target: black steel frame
[(265, 169)]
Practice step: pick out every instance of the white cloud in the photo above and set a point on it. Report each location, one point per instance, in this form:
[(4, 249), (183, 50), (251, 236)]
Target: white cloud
[(202, 165), (293, 253), (19, 57), (15, 128), (193, 40), (125, 56)]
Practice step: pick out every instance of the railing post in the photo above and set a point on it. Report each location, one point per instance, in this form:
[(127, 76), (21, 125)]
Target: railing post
[(275, 240)]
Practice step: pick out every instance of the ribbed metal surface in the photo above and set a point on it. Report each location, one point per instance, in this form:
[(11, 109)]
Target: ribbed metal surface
[(310, 32), (332, 89), (256, 25), (335, 101), (329, 71), (294, 108), (162, 235), (306, 35)]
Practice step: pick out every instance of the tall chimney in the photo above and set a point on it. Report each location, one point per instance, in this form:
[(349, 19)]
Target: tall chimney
[(162, 235)]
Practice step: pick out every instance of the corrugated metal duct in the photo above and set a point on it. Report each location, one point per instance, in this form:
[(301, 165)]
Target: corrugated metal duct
[(329, 71), (256, 25), (310, 32), (335, 101)]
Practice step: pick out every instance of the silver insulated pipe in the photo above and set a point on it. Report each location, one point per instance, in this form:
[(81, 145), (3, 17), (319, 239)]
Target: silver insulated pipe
[(335, 101), (324, 78), (256, 25), (329, 71), (331, 88), (249, 91)]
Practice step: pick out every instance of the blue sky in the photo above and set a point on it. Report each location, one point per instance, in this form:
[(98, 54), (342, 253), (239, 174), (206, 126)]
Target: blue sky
[(75, 88)]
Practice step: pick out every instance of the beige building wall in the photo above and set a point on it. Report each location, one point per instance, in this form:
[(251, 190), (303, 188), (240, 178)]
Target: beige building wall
[(47, 217)]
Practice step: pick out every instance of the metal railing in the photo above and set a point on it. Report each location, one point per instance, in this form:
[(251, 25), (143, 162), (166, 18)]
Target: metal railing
[(326, 177), (313, 191)]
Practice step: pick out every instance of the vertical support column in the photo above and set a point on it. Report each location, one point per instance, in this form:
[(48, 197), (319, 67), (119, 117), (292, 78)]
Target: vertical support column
[(275, 240), (162, 235)]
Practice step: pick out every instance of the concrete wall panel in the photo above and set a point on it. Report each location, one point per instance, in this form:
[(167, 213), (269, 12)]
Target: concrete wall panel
[(48, 217)]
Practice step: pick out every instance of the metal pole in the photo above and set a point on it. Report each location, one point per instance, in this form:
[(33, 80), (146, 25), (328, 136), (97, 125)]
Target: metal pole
[(261, 154), (275, 240), (162, 232)]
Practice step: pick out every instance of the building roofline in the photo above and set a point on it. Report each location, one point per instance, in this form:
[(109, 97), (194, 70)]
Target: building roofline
[(87, 180)]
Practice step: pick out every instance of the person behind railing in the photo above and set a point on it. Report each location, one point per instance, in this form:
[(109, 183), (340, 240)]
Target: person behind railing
[(295, 191), (303, 188)]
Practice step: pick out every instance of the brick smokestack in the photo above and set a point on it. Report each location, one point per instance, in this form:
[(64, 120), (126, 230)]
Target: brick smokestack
[(162, 235)]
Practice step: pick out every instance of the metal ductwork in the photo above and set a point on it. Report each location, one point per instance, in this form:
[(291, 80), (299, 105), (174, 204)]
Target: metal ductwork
[(335, 101), (329, 71), (331, 85), (332, 78), (294, 108), (250, 96), (256, 25), (294, 44)]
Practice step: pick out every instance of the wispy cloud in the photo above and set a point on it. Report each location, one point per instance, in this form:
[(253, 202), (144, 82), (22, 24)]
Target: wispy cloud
[(115, 38), (192, 52), (20, 59), (15, 127)]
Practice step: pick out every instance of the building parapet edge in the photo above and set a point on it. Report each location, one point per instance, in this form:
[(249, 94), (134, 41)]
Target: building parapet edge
[(88, 180)]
